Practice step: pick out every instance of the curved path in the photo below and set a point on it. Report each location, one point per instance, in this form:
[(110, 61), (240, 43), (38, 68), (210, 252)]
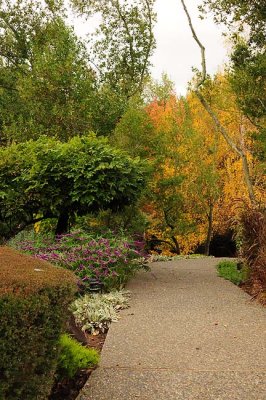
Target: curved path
[(189, 335)]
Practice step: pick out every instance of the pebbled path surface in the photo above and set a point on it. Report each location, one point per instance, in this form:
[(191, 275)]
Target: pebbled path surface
[(188, 335)]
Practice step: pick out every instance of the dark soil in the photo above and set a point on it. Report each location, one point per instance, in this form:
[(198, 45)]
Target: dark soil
[(96, 341), (68, 389), (256, 291)]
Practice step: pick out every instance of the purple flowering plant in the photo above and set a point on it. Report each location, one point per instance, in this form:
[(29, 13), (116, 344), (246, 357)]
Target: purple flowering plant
[(110, 260)]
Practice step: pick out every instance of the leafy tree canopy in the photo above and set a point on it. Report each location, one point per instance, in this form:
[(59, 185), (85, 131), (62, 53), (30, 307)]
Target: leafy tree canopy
[(246, 20), (248, 80), (46, 85), (240, 13), (124, 41), (57, 180)]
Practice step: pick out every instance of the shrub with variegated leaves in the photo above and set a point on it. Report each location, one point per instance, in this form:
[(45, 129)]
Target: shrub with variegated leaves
[(94, 313)]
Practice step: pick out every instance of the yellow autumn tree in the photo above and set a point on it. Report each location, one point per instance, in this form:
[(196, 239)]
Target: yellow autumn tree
[(197, 185)]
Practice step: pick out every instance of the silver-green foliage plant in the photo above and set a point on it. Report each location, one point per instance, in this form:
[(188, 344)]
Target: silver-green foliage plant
[(118, 299), (94, 313)]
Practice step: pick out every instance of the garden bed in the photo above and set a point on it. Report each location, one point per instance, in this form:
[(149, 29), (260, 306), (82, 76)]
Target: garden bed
[(101, 264)]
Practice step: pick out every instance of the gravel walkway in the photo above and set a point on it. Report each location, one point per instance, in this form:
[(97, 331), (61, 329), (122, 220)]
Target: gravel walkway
[(189, 335)]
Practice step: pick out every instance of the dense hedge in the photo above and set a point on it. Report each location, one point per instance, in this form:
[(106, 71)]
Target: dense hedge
[(34, 298)]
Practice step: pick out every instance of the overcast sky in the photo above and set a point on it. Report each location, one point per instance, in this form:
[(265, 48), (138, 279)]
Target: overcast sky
[(176, 51)]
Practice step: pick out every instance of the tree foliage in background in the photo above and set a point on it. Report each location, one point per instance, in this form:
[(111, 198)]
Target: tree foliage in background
[(246, 21), (196, 184), (50, 83), (183, 187), (19, 22), (124, 41), (239, 14), (59, 180), (134, 132), (248, 80), (46, 85), (48, 80)]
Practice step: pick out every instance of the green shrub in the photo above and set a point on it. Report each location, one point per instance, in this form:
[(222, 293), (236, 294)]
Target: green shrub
[(34, 299), (74, 357), (61, 179), (232, 271)]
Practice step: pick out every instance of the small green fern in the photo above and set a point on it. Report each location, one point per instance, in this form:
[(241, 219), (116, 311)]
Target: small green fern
[(74, 357)]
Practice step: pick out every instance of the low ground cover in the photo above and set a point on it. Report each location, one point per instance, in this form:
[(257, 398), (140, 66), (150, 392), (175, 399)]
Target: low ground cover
[(110, 260), (93, 314), (74, 365), (74, 356)]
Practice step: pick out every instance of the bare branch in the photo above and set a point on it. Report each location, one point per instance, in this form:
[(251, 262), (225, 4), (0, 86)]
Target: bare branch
[(202, 48), (130, 38), (150, 44)]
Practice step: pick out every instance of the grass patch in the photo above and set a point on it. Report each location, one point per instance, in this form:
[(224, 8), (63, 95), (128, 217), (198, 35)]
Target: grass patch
[(233, 271)]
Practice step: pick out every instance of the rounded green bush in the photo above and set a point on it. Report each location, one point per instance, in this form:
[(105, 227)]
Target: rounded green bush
[(34, 301)]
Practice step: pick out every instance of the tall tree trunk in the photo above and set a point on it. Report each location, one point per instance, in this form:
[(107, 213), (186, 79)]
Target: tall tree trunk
[(177, 248), (62, 223), (209, 234)]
